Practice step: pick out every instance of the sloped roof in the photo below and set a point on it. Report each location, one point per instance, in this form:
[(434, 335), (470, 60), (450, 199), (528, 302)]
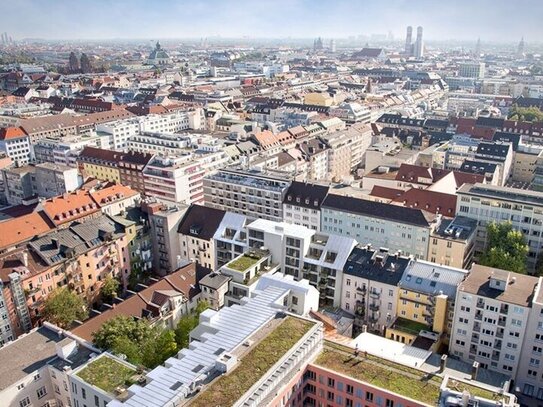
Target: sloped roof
[(200, 222), (11, 133)]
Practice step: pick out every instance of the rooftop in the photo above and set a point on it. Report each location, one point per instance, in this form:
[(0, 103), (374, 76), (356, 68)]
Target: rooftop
[(519, 290), (390, 376), (229, 388), (244, 261), (107, 374), (376, 209), (503, 193)]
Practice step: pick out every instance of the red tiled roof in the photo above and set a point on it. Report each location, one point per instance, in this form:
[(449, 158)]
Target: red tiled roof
[(69, 207), (11, 133), (22, 228), (430, 201)]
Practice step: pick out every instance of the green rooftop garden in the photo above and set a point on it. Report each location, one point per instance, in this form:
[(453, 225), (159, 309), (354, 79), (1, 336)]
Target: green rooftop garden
[(242, 263), (406, 325), (229, 388), (413, 384), (107, 374)]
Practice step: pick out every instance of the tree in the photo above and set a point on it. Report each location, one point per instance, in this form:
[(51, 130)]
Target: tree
[(530, 114), (506, 248), (121, 326), (110, 288), (187, 323), (137, 340), (158, 347), (63, 307)]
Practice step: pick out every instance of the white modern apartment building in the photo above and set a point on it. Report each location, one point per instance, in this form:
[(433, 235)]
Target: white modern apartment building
[(230, 238), (491, 316), (302, 252), (253, 193), (381, 225), (489, 203)]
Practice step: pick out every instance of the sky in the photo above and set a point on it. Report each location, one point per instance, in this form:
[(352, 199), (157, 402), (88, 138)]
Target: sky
[(492, 20)]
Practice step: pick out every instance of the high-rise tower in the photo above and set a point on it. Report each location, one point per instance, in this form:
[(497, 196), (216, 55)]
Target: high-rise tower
[(478, 48), (419, 44), (520, 49), (408, 41)]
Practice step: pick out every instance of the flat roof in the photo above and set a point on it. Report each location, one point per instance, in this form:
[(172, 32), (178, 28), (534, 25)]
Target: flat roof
[(107, 373), (260, 359), (377, 372), (502, 193)]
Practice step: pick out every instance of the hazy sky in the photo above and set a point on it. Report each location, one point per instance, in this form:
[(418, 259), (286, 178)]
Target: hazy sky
[(492, 20)]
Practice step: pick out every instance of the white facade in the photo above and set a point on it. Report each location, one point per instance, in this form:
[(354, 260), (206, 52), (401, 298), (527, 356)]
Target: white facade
[(490, 329), (18, 149)]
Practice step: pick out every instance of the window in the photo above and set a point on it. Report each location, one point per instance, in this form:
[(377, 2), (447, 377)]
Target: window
[(389, 403), (331, 382), (350, 389), (369, 396), (24, 402), (41, 392)]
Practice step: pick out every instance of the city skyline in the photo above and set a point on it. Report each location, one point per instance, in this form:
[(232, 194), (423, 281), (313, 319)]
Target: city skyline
[(265, 19)]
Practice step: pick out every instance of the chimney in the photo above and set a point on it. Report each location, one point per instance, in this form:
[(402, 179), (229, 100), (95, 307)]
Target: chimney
[(442, 363), (54, 240), (474, 370)]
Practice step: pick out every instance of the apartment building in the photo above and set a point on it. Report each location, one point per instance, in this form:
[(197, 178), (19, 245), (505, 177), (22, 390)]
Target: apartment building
[(50, 179), (80, 257), (302, 204), (253, 193), (523, 208), (36, 367), (230, 238), (197, 230), (14, 309), (382, 225), (100, 164), (452, 242), (17, 183), (164, 224), (427, 294), (491, 316), (174, 179), (66, 149), (525, 162), (369, 288), (16, 144), (347, 150), (119, 132)]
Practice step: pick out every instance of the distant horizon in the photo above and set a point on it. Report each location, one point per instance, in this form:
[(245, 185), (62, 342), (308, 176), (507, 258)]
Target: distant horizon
[(461, 20)]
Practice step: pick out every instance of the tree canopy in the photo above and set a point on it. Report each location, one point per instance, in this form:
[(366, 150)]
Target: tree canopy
[(506, 248), (187, 323), (531, 114), (110, 288), (63, 307), (141, 343)]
